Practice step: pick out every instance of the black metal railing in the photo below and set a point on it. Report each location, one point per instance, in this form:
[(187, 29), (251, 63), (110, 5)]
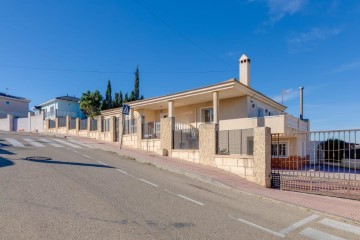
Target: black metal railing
[(73, 123), (130, 126), (239, 141), (151, 130), (105, 125), (83, 124), (185, 136), (52, 123), (93, 125), (62, 122)]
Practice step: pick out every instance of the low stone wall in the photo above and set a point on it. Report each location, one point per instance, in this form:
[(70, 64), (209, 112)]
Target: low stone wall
[(350, 163), (105, 136), (241, 165), (151, 145), (93, 134), (188, 155), (72, 132), (130, 140), (83, 133), (62, 130)]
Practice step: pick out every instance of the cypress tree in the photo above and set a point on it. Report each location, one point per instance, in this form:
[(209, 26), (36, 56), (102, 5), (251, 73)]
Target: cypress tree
[(137, 85), (126, 98), (116, 101), (121, 101), (108, 97)]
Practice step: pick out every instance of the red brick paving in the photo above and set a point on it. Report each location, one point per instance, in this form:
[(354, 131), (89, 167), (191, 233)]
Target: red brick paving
[(345, 208)]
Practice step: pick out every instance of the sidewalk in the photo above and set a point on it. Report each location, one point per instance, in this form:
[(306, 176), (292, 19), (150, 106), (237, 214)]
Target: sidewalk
[(344, 208)]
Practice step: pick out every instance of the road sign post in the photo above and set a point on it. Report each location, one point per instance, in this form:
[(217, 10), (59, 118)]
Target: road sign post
[(125, 111)]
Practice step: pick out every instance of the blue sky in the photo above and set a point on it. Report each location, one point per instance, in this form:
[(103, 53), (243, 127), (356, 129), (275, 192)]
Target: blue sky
[(53, 48)]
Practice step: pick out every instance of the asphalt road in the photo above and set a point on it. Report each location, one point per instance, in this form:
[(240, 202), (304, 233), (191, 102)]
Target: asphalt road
[(85, 193)]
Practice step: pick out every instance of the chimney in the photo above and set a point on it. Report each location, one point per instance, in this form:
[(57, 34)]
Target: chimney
[(301, 102), (244, 68)]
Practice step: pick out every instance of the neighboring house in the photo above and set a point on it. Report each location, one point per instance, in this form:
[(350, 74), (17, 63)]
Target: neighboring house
[(16, 106), (60, 107)]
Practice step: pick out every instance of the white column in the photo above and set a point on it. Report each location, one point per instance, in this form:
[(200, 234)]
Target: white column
[(216, 107), (171, 109)]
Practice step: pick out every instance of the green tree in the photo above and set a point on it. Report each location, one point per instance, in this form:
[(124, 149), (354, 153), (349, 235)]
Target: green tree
[(116, 101), (107, 103), (136, 95), (126, 98), (90, 103), (132, 96), (121, 101)]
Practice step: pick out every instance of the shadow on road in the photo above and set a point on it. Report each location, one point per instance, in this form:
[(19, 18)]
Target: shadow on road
[(5, 162), (68, 163)]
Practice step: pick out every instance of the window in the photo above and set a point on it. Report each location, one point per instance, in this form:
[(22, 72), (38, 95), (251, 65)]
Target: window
[(208, 115), (52, 111), (260, 112), (250, 145), (278, 150), (7, 103)]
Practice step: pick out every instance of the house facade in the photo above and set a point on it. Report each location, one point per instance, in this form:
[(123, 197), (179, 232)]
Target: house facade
[(13, 105), (61, 107)]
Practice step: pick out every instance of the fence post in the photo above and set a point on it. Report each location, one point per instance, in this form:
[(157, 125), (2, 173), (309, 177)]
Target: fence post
[(207, 143), (77, 126), (139, 131), (56, 125), (262, 156), (99, 127), (67, 124), (167, 126), (10, 119), (46, 125), (88, 126), (112, 128)]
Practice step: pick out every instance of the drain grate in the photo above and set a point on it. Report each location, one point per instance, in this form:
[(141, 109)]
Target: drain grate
[(39, 158)]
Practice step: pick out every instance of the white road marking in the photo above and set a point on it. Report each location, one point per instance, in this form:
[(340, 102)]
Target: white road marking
[(102, 163), (51, 143), (122, 171), (67, 143), (80, 143), (258, 227), (150, 183), (33, 142), (14, 142), (298, 224), (341, 226), (318, 235), (86, 156), (191, 200)]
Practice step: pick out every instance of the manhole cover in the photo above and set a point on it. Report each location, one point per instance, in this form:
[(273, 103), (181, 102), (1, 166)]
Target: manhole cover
[(38, 158)]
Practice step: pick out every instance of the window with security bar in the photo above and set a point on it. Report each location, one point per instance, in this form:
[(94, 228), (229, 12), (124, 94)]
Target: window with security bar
[(278, 149)]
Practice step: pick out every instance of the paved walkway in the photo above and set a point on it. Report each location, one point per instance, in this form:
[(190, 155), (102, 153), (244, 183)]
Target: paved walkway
[(344, 208)]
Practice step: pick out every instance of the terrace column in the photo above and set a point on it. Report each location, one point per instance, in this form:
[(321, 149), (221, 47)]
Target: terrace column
[(171, 109), (216, 107)]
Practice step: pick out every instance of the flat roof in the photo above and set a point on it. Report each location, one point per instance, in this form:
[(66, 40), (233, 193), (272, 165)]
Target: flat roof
[(4, 95)]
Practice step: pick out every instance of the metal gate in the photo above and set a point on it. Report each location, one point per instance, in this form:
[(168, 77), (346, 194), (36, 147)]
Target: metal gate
[(323, 162), (116, 121)]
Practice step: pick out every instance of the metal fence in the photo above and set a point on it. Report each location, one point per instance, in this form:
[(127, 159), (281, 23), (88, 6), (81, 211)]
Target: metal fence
[(62, 122), (52, 124), (151, 130), (105, 125), (239, 141), (185, 136), (323, 162), (130, 126), (93, 125), (83, 124), (73, 123)]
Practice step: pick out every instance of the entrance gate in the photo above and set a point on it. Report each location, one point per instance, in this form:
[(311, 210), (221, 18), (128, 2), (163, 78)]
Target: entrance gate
[(323, 162)]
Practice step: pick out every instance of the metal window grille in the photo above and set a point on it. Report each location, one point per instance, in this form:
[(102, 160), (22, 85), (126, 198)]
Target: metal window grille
[(151, 130), (105, 125), (185, 137), (130, 126), (240, 141), (83, 124), (73, 123), (62, 122), (52, 124), (93, 125)]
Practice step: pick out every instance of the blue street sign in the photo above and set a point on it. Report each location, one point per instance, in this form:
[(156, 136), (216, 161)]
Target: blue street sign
[(126, 109)]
